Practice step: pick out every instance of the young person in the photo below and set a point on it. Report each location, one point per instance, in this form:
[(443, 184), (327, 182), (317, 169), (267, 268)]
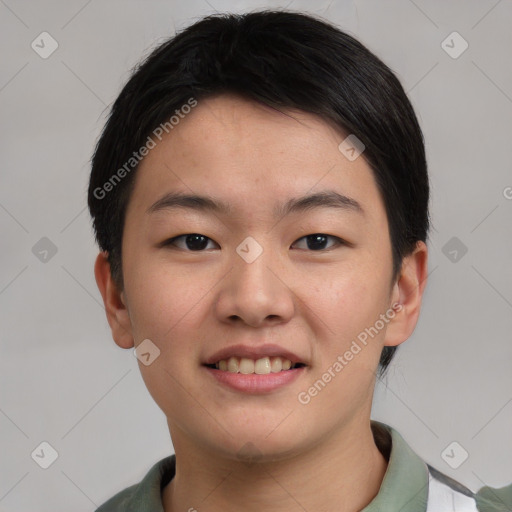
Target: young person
[(260, 198)]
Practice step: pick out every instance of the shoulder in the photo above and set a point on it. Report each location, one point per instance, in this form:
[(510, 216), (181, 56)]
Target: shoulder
[(146, 495), (411, 484), (120, 501), (448, 495), (494, 499)]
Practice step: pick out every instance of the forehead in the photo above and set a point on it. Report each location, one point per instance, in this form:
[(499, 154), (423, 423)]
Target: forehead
[(250, 155), (226, 124)]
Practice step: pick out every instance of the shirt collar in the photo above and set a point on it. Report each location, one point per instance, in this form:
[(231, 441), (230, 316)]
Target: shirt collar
[(405, 484), (147, 495)]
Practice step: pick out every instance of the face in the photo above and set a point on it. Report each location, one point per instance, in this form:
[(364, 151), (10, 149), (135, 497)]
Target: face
[(258, 280)]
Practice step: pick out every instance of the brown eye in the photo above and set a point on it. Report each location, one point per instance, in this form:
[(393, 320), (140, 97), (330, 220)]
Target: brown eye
[(193, 242), (317, 241)]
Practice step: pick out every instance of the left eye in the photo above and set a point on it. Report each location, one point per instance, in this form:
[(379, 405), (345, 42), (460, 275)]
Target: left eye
[(197, 242), (317, 241)]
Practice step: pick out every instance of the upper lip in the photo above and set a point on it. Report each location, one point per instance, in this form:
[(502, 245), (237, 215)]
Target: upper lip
[(253, 352)]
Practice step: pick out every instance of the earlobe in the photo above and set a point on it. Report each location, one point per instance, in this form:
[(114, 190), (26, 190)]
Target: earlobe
[(115, 303), (408, 292)]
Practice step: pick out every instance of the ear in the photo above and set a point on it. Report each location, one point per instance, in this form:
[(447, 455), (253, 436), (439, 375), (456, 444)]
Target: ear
[(115, 305), (407, 292)]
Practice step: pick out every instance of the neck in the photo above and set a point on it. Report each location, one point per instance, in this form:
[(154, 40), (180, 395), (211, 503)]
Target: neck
[(347, 467)]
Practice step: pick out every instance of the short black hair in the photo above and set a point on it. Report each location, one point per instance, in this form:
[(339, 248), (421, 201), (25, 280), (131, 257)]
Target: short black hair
[(285, 60)]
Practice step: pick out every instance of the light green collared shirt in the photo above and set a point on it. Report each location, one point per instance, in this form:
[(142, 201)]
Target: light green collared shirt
[(409, 485)]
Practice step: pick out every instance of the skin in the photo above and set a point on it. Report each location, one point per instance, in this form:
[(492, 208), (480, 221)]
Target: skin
[(313, 302)]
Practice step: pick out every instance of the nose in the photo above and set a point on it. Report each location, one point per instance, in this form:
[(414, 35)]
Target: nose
[(256, 293)]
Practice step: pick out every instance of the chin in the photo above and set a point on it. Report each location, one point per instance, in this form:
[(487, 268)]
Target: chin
[(257, 445)]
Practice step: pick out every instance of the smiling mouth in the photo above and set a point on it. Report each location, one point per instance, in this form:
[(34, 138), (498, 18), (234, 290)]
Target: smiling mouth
[(261, 366)]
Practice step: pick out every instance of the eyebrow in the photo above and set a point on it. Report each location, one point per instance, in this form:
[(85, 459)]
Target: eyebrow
[(323, 199)]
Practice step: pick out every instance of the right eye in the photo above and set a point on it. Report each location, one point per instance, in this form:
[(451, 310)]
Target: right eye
[(193, 242)]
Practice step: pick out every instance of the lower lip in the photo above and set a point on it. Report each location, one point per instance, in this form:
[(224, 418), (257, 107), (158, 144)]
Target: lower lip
[(254, 383)]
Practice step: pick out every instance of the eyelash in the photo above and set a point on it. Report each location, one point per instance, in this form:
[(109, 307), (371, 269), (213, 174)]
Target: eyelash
[(339, 241)]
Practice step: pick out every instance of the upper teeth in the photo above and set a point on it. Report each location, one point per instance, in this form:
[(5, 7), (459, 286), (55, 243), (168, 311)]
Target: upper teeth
[(260, 366)]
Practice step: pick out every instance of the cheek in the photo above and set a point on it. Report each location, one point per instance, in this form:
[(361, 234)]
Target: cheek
[(346, 298), (164, 302), (347, 356), (164, 308)]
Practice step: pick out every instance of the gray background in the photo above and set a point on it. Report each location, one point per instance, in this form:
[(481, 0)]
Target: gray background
[(62, 378)]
